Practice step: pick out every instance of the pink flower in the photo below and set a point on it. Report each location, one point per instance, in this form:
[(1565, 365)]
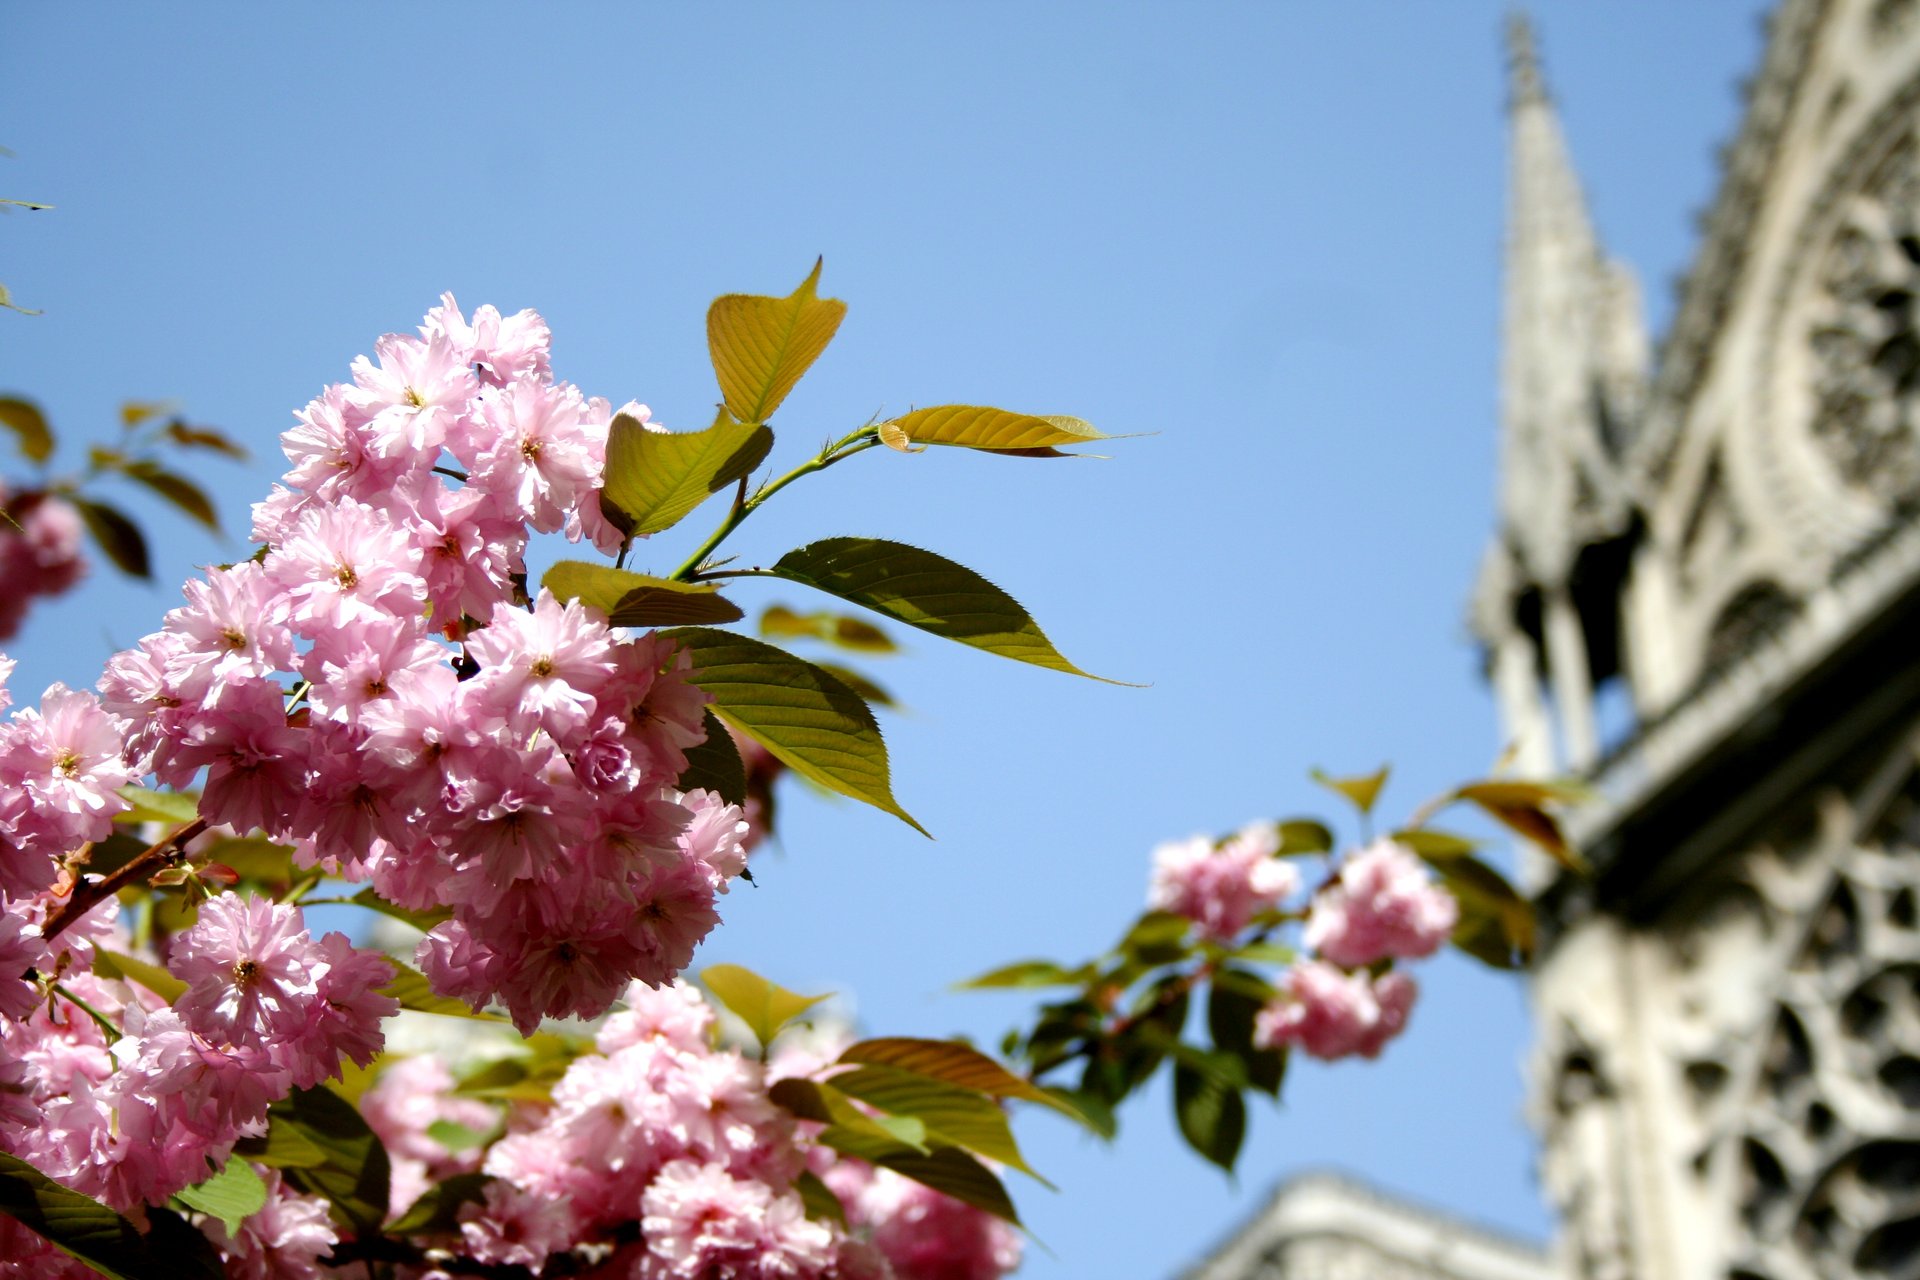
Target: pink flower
[(67, 755), (1383, 904), (415, 396), (1332, 1014), (699, 1221), (252, 972), (1222, 888), (542, 669), (540, 455)]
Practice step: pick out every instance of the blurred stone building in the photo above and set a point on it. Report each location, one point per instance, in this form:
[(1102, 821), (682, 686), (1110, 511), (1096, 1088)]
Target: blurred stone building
[(1704, 597)]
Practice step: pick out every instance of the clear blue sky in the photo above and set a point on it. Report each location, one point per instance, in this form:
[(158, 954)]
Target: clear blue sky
[(1267, 234)]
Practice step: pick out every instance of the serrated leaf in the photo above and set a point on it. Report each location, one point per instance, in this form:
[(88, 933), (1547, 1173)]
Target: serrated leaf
[(421, 920), (232, 1195), (636, 599), (112, 964), (955, 1173), (927, 591), (764, 1006), (811, 722), (88, 1230), (29, 427), (1029, 973), (972, 426), (821, 1203), (1212, 1114), (411, 988), (118, 538), (1304, 836), (173, 807), (761, 346), (654, 478), (952, 1062), (437, 1211), (1362, 790), (777, 622), (715, 765), (1496, 924), (952, 1115), (353, 1170), (176, 489), (192, 437), (1517, 806)]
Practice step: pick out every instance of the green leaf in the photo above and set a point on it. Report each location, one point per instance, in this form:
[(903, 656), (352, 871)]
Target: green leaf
[(994, 430), (952, 1062), (86, 1229), (1265, 953), (874, 694), (636, 600), (457, 1137), (1231, 1011), (112, 964), (1496, 924), (821, 1203), (437, 1211), (654, 478), (1436, 847), (1212, 1114), (352, 1171), (777, 622), (1519, 807), (1304, 836), (135, 412), (762, 345), (421, 920), (849, 1129), (953, 1171), (1157, 937), (812, 723), (927, 591), (1030, 973), (953, 1116), (119, 538), (6, 294), (716, 765), (411, 988), (231, 1195), (176, 489), (1362, 790), (29, 426), (1096, 1114), (764, 1006), (191, 437), (175, 808)]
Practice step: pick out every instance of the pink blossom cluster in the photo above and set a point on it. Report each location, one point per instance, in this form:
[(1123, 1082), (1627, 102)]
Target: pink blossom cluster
[(1221, 886), (1331, 1013), (670, 1152), (130, 1116), (39, 554), (371, 689)]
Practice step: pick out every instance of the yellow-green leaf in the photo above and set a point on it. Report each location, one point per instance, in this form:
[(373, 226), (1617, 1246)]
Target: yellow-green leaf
[(654, 478), (411, 988), (974, 426), (1362, 790), (29, 426), (849, 1129), (135, 412), (777, 622), (421, 920), (952, 1062), (1517, 806), (807, 718), (761, 345), (232, 1195), (112, 964), (953, 1116), (1434, 846), (635, 599), (764, 1006), (927, 591), (176, 807)]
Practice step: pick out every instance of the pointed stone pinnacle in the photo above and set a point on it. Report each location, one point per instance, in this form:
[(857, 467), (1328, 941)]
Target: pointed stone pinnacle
[(1525, 83)]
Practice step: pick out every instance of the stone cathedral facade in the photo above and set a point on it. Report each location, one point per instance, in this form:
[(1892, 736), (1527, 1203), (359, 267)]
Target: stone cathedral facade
[(1718, 542)]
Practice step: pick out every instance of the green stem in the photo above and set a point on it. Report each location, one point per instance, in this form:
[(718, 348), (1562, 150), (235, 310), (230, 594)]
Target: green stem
[(845, 447), (112, 1032)]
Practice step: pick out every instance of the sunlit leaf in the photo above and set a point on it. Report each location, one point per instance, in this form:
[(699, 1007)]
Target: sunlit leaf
[(764, 1006), (923, 590), (811, 722), (411, 988), (232, 1195), (118, 538), (1362, 790), (849, 1129), (6, 296), (952, 1115), (1157, 937), (715, 765), (761, 345), (874, 694), (175, 808), (953, 1062), (352, 1172), (88, 1230), (113, 964), (135, 412), (654, 478), (635, 599), (1434, 846), (994, 430), (29, 427), (1304, 836), (1518, 807), (777, 622)]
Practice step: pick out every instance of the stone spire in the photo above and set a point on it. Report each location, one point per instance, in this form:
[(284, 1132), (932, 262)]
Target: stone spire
[(1573, 371)]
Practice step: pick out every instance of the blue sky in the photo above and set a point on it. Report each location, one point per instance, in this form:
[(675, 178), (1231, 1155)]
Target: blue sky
[(1267, 236)]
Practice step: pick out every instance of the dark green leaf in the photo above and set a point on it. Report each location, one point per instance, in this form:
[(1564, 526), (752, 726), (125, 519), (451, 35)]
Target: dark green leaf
[(1158, 937), (437, 1211), (176, 489), (1362, 790), (191, 437), (1231, 1010), (88, 1230), (119, 538), (654, 478), (762, 345), (635, 599), (231, 1195), (1303, 836), (1212, 1115), (953, 1171), (353, 1170), (812, 723), (1095, 1112), (766, 1007), (822, 1204), (716, 765), (927, 591), (1496, 924), (29, 426)]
